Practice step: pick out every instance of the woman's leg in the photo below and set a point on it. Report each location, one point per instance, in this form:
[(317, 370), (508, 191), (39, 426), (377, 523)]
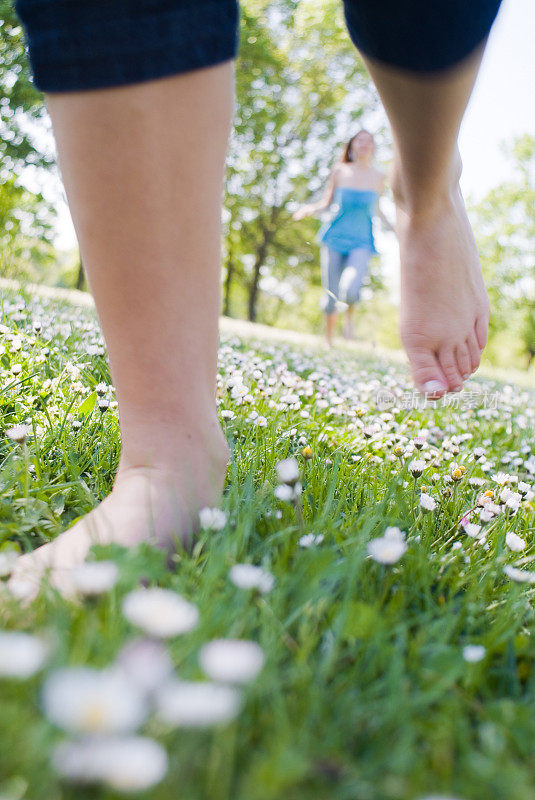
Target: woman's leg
[(424, 58), (143, 168), (330, 327), (353, 275), (331, 268), (444, 309)]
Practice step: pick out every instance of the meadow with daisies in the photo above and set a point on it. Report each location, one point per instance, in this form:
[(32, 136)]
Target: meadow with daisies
[(354, 622)]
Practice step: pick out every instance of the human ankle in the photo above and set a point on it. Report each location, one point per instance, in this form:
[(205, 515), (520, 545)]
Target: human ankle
[(168, 448), (420, 197)]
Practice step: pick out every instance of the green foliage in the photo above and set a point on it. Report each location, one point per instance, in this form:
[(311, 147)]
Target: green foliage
[(26, 249), (26, 218), (504, 223), (21, 104)]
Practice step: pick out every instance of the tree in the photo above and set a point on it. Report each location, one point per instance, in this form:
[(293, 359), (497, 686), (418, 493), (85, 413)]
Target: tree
[(25, 232), (505, 227), (300, 87), (26, 217), (21, 105)]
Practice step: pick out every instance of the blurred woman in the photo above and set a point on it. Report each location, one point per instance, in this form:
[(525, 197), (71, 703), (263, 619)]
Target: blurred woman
[(355, 184)]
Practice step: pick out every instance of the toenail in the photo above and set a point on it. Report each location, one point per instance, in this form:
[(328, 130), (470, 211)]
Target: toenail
[(434, 387)]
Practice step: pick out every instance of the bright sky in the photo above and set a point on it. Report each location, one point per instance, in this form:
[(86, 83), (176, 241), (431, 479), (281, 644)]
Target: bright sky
[(503, 103), (502, 107)]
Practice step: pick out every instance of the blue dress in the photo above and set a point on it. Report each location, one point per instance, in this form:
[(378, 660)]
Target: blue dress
[(352, 225)]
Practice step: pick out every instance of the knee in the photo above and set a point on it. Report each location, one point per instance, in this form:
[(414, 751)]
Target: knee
[(350, 286), (328, 303), (352, 297)]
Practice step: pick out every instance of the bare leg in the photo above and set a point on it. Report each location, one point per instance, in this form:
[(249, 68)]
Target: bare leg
[(330, 327), (444, 305), (143, 168), (349, 328)]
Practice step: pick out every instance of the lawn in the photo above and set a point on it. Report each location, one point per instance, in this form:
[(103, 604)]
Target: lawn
[(389, 651)]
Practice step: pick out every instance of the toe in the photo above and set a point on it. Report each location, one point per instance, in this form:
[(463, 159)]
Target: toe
[(25, 580), (481, 330), (426, 371), (448, 362), (63, 580), (24, 588), (474, 350), (464, 362)]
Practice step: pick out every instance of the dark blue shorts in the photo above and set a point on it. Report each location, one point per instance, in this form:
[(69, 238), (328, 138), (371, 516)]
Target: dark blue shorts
[(90, 44)]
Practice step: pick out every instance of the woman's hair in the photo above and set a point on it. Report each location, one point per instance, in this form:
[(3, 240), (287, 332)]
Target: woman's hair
[(346, 152)]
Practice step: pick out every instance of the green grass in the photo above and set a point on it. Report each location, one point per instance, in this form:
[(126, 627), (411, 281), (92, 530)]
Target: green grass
[(365, 694)]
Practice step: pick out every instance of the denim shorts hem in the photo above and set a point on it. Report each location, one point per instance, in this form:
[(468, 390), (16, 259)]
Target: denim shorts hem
[(417, 36), (122, 42)]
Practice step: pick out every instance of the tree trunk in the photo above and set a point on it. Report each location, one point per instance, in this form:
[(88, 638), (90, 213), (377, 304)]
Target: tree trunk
[(80, 277), (228, 281), (268, 232), (253, 289)]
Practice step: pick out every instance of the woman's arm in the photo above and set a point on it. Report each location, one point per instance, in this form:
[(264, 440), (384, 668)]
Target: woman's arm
[(384, 219), (323, 204), (379, 212)]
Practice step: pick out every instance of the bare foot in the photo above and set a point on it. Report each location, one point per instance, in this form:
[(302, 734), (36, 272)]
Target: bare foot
[(159, 505), (349, 330), (444, 303)]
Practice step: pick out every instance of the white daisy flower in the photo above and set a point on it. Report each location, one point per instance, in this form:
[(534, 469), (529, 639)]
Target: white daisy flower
[(95, 577), (21, 654), (505, 493), (127, 764), (248, 576), (80, 761), (416, 467), (212, 518), (287, 493), (309, 539), (501, 478), (514, 542), (472, 530), (288, 471), (486, 515), (84, 700), (473, 653), (394, 533), (513, 501), (389, 548), (439, 797), (197, 704), (231, 660), (160, 612), (427, 503), (146, 663), (519, 575), (18, 433)]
